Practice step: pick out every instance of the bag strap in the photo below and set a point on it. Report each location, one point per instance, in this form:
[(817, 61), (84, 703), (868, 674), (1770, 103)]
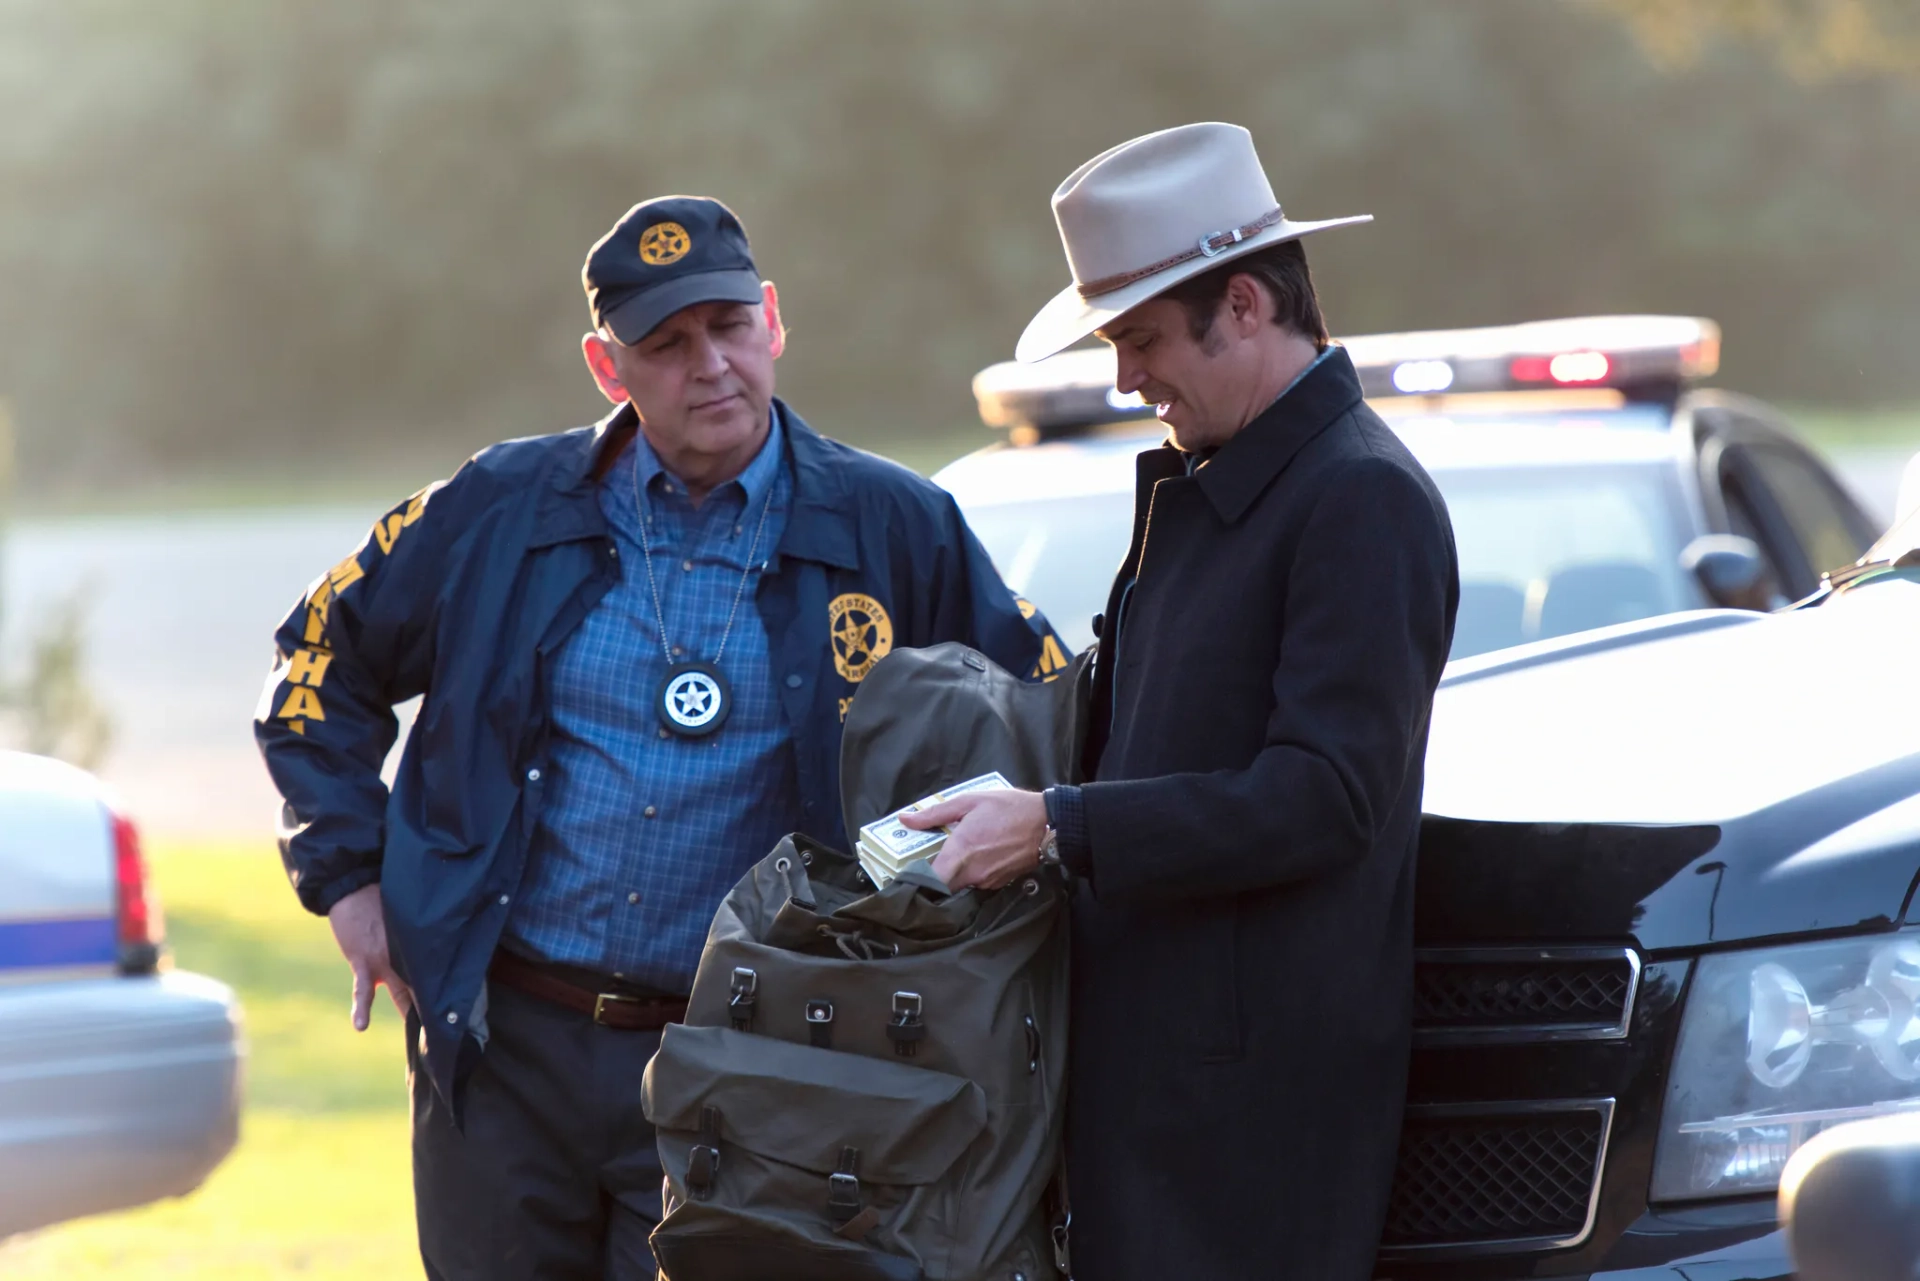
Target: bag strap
[(905, 1029), (1060, 1210), (852, 1217), (820, 1023), (703, 1162), (740, 998)]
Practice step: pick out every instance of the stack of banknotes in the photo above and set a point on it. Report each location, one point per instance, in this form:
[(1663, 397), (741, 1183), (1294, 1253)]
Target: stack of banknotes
[(887, 846)]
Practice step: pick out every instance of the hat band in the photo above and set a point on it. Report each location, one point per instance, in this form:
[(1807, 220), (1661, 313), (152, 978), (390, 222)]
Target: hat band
[(1208, 247)]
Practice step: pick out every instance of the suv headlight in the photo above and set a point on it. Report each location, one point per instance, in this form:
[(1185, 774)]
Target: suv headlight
[(1777, 1045)]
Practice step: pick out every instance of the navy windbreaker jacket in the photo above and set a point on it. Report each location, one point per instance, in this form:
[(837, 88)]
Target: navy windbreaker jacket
[(462, 594)]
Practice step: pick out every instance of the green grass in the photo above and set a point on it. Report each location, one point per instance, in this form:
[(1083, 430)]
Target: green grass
[(1836, 431), (319, 1186)]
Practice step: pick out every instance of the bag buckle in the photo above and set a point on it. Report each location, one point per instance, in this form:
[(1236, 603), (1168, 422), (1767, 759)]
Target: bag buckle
[(843, 1187), (740, 1004), (905, 1029), (600, 1004), (1062, 1258)]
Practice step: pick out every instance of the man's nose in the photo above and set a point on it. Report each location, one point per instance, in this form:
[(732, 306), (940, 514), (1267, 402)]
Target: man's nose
[(1128, 374), (708, 360)]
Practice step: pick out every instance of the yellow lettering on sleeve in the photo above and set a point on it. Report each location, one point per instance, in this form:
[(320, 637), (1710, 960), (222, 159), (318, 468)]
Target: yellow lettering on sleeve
[(309, 667), (346, 573), (302, 702)]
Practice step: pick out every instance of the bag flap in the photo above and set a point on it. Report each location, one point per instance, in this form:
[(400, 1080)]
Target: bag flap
[(802, 1105), (924, 719)]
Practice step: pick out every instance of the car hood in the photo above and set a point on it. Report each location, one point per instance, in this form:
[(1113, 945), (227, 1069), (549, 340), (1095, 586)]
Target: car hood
[(1703, 778)]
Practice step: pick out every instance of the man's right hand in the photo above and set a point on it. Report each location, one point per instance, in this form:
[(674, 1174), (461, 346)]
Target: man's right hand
[(360, 928)]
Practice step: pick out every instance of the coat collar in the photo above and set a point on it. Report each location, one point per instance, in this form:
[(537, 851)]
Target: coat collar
[(820, 527), (1247, 464)]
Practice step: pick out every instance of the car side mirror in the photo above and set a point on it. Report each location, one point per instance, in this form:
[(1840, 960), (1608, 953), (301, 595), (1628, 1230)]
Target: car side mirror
[(1731, 570), (1850, 1200)]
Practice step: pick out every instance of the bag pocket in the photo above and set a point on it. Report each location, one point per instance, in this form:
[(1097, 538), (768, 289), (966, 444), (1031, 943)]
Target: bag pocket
[(793, 1161)]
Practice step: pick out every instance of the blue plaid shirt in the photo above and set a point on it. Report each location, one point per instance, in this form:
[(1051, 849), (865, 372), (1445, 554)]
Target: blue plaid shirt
[(644, 832)]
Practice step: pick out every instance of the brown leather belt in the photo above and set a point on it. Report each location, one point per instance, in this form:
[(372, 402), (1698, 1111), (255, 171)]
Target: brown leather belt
[(612, 1009)]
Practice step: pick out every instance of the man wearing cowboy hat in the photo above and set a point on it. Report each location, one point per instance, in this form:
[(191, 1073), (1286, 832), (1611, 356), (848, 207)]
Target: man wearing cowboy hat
[(1244, 853)]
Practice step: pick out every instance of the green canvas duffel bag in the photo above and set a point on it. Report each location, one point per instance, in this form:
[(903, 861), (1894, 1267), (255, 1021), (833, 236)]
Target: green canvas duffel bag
[(868, 1085)]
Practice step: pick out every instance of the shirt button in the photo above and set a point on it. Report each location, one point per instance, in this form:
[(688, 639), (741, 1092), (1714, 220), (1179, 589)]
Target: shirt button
[(612, 550), (533, 776), (736, 531), (633, 897), (452, 1017), (677, 651), (503, 899), (686, 567), (663, 731), (651, 812), (793, 681)]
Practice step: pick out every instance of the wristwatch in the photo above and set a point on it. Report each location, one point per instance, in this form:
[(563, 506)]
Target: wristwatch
[(1050, 848)]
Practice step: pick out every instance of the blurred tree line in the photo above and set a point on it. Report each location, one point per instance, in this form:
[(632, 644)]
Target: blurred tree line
[(317, 232)]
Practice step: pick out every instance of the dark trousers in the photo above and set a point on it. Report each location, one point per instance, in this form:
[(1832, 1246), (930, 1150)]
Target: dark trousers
[(555, 1176)]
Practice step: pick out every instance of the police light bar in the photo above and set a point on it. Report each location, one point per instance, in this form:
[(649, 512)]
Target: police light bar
[(1641, 356), (1072, 389)]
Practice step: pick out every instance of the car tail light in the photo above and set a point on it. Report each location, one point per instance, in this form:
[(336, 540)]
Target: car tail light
[(141, 929)]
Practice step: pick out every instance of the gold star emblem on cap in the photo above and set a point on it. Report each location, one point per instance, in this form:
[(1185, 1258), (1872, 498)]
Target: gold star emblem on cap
[(664, 244)]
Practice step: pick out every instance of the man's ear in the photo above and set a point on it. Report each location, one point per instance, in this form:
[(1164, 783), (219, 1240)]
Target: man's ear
[(771, 301), (600, 365), (1247, 304)]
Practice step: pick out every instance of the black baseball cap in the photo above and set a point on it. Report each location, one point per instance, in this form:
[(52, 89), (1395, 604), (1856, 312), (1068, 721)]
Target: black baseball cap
[(664, 255)]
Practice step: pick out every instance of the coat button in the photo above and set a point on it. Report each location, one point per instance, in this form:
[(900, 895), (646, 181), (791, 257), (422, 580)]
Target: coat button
[(794, 681), (533, 776)]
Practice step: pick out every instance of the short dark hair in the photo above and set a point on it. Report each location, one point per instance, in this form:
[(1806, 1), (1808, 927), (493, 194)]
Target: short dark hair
[(1281, 269)]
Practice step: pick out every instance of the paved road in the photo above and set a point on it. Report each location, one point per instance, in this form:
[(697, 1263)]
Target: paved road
[(181, 616), (183, 608)]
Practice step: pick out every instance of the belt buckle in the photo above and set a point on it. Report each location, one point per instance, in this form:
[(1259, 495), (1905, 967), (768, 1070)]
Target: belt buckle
[(600, 1004)]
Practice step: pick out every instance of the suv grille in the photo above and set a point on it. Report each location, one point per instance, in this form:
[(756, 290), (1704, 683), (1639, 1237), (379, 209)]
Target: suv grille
[(1467, 1177), (1519, 994)]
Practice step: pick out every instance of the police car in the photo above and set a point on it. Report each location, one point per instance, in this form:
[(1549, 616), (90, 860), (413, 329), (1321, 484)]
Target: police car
[(119, 1077), (1590, 479), (1667, 934)]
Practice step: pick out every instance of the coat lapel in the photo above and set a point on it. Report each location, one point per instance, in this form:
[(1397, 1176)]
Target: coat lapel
[(1247, 464)]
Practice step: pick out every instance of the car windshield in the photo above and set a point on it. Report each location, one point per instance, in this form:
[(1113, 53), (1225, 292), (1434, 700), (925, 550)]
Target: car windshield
[(1544, 551)]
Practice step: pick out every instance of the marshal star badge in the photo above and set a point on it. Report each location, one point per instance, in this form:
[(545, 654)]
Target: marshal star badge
[(664, 244), (862, 634)]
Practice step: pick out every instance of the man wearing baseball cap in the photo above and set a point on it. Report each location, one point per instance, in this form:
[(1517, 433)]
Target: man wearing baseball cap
[(1243, 910), (635, 643)]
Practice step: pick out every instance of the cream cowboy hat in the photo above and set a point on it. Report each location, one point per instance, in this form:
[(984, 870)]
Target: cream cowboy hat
[(1141, 218)]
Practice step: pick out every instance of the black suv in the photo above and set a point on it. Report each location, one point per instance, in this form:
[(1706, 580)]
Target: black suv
[(1667, 934)]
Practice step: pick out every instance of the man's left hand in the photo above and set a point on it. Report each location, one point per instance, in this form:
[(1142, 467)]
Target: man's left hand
[(992, 838)]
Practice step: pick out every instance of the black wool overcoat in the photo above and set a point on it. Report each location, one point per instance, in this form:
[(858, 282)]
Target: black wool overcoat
[(1242, 941)]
